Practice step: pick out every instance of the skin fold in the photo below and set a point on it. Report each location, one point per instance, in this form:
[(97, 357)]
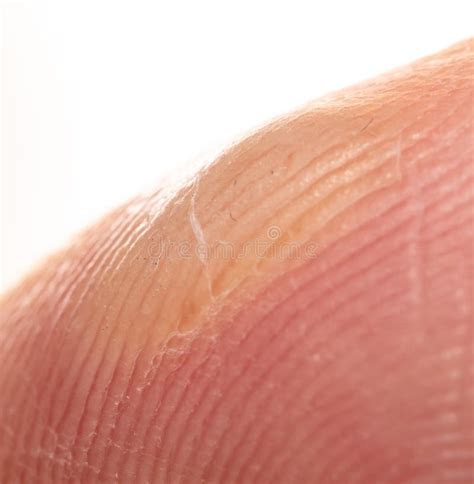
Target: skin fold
[(300, 310)]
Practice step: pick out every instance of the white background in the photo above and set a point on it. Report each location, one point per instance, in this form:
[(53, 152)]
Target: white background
[(100, 99)]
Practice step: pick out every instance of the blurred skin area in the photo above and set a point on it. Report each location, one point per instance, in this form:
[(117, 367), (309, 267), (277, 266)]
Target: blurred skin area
[(299, 310)]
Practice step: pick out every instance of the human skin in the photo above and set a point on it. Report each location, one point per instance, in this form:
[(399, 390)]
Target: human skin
[(144, 353)]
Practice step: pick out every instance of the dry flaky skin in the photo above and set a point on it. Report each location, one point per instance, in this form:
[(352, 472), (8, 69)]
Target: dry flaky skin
[(133, 357)]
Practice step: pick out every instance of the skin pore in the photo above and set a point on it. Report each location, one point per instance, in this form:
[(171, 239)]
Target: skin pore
[(299, 310)]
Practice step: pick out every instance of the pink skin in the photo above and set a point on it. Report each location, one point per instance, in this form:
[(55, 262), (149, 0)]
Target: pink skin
[(350, 364)]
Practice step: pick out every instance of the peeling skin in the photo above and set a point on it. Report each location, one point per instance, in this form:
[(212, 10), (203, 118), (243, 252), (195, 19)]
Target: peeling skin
[(130, 357), (200, 239)]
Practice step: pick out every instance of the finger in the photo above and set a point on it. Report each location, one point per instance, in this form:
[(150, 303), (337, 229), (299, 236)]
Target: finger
[(300, 310)]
